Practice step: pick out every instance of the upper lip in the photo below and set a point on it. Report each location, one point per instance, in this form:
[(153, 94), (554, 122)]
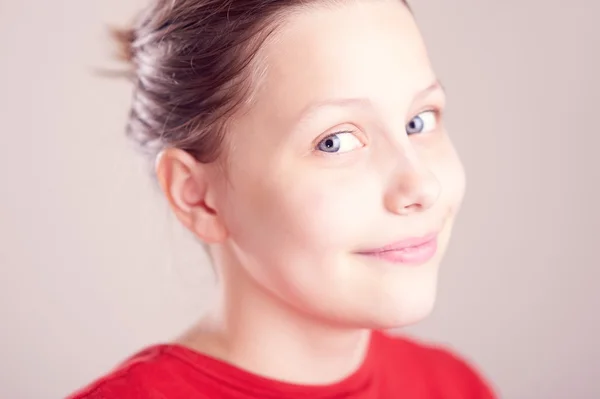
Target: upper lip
[(402, 244)]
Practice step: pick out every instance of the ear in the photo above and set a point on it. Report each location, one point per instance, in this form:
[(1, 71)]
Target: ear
[(187, 186)]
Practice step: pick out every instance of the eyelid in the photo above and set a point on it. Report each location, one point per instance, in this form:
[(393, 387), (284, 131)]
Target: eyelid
[(436, 100), (436, 109), (314, 147), (437, 114), (341, 131)]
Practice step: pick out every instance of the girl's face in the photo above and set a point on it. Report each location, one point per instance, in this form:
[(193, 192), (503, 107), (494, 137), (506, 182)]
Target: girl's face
[(343, 151)]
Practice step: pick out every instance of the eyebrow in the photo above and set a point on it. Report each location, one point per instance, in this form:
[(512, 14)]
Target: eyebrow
[(435, 86), (360, 102)]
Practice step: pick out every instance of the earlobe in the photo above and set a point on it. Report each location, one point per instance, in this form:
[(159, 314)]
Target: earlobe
[(186, 185)]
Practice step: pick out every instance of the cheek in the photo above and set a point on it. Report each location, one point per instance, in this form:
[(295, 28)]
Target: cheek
[(323, 214), (291, 233), (457, 180), (318, 214), (445, 163)]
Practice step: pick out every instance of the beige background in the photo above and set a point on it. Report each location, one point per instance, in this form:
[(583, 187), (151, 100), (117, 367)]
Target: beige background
[(93, 267)]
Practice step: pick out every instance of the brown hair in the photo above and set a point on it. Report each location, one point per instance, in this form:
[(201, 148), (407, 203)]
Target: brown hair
[(191, 62)]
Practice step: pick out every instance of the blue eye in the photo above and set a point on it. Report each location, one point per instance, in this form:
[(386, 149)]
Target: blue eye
[(422, 123), (339, 143)]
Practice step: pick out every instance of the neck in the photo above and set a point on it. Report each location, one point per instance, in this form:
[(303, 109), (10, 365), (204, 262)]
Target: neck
[(256, 331)]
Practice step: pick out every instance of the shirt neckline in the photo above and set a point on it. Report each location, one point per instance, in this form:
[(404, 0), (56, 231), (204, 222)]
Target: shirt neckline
[(254, 385)]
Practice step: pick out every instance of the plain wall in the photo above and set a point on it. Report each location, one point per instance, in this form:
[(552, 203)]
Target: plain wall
[(93, 267)]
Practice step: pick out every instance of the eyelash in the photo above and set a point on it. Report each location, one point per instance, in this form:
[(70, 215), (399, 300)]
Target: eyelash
[(338, 132), (437, 111)]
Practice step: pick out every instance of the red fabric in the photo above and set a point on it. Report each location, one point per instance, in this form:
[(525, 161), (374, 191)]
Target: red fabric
[(394, 368)]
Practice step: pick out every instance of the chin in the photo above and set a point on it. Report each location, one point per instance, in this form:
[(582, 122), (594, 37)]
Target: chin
[(411, 314), (408, 313), (403, 306), (382, 297)]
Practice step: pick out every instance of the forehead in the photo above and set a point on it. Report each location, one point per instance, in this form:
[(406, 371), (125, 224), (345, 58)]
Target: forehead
[(367, 49)]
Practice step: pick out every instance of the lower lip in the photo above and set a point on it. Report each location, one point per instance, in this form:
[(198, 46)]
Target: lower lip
[(416, 255)]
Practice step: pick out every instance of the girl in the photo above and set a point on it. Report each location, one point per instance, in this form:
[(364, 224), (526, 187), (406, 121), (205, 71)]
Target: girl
[(303, 142)]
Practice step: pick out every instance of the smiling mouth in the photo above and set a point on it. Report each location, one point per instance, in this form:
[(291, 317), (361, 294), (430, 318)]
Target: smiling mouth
[(412, 251)]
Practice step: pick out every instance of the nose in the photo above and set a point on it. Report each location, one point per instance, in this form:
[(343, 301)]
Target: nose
[(414, 189)]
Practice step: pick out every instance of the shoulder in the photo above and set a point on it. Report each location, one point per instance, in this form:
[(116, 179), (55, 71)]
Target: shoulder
[(149, 373), (439, 367)]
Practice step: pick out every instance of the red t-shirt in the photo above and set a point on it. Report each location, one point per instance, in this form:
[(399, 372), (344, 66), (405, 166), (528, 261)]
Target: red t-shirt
[(395, 368)]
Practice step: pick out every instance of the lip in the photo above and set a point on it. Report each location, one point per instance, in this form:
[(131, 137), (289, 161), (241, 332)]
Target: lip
[(411, 251)]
